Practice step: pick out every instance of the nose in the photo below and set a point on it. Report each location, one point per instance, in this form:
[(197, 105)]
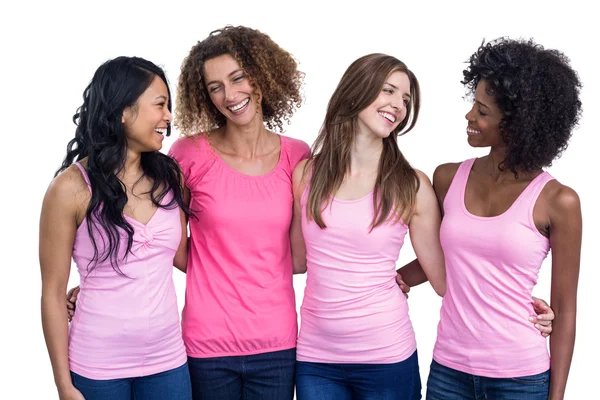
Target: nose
[(470, 115), (229, 92), (168, 115)]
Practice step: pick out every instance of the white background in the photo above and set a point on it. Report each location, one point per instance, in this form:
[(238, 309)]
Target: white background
[(50, 50)]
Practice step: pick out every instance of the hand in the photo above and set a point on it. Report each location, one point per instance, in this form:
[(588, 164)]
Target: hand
[(71, 301), (70, 394), (403, 286), (543, 318)]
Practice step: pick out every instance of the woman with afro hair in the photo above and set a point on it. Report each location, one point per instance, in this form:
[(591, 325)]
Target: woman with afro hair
[(502, 214), (239, 320)]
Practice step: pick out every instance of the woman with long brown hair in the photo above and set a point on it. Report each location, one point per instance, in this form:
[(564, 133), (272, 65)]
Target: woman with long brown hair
[(355, 200)]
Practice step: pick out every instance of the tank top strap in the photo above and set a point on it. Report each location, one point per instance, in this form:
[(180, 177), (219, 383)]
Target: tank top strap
[(84, 173), (458, 185), (533, 190)]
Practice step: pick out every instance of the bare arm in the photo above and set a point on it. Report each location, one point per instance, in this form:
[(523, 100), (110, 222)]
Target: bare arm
[(180, 260), (565, 242), (296, 237), (412, 273), (424, 231), (58, 225)]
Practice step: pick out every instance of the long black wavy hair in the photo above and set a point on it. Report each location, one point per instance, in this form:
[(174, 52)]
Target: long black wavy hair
[(538, 93), (100, 136)]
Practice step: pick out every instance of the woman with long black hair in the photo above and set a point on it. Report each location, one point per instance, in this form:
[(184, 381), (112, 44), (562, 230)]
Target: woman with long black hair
[(116, 208)]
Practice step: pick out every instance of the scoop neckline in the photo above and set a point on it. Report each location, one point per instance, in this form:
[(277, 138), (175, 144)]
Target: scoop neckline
[(463, 203), (220, 160)]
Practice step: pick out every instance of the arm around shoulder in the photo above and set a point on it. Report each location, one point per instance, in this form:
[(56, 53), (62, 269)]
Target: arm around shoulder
[(424, 228), (299, 179)]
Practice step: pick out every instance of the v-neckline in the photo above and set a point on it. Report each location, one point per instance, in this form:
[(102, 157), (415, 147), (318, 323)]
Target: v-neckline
[(145, 225)]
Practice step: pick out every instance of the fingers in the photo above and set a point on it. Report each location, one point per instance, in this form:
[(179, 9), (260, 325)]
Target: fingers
[(541, 324), (540, 303), (405, 288), (72, 295)]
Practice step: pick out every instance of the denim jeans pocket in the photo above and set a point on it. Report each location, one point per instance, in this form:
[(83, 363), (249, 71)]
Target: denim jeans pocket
[(538, 379)]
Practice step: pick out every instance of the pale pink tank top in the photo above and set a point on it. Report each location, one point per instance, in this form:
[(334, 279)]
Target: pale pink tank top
[(353, 310), (492, 265), (128, 326)]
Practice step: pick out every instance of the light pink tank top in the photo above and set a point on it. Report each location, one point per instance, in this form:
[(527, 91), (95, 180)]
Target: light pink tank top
[(128, 326), (353, 310), (492, 265)]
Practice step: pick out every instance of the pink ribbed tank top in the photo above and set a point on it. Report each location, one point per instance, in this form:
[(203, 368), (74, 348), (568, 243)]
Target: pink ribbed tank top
[(128, 326), (492, 265), (353, 310)]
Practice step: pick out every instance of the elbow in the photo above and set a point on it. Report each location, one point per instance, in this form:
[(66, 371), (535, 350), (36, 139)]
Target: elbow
[(299, 265), (440, 290), (299, 268), (440, 287), (180, 262)]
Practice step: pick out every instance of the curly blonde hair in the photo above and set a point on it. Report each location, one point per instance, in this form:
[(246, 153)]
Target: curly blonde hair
[(269, 67)]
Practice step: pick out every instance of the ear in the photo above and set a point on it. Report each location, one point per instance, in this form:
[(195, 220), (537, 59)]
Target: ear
[(126, 115)]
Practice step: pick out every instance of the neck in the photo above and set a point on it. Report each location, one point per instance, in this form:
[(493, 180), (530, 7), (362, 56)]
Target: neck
[(132, 167), (365, 153), (248, 141), (491, 164)]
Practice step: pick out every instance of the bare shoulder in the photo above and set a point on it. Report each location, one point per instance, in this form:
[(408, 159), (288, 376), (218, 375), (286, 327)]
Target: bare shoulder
[(423, 179), (444, 174), (68, 191), (561, 199)]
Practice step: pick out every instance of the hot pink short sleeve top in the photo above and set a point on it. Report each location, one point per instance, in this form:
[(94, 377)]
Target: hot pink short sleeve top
[(239, 294)]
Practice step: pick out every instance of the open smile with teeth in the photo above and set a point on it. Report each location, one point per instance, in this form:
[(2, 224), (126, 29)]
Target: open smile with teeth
[(471, 131), (387, 116), (237, 107), (161, 131)]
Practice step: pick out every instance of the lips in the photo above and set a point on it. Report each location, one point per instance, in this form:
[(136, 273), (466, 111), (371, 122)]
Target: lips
[(236, 108), (472, 132), (390, 117)]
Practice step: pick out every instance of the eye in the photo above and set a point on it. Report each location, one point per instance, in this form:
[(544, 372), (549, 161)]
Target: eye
[(388, 91), (161, 105), (213, 89), (406, 101), (239, 78), (481, 112)]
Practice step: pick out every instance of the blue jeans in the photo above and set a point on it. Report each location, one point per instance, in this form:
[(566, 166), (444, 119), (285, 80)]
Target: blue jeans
[(449, 384), (169, 385), (320, 381), (265, 376)]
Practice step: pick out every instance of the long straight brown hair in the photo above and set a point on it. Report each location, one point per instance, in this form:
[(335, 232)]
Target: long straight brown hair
[(395, 191)]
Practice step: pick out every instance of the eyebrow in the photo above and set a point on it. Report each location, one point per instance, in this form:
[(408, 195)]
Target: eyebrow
[(482, 104), (387, 83), (233, 73), (161, 97)]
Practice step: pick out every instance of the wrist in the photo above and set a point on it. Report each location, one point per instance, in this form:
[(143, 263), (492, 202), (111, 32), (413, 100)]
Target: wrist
[(64, 385)]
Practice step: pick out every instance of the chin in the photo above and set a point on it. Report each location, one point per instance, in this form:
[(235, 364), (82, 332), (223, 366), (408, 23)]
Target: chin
[(476, 142)]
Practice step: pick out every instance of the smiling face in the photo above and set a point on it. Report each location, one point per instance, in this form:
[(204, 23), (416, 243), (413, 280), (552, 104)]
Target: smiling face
[(382, 116), (146, 122), (231, 91), (483, 128)]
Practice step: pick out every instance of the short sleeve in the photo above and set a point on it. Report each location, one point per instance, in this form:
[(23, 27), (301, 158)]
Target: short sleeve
[(193, 156)]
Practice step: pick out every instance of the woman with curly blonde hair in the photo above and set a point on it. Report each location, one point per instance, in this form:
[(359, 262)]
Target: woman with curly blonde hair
[(239, 320)]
